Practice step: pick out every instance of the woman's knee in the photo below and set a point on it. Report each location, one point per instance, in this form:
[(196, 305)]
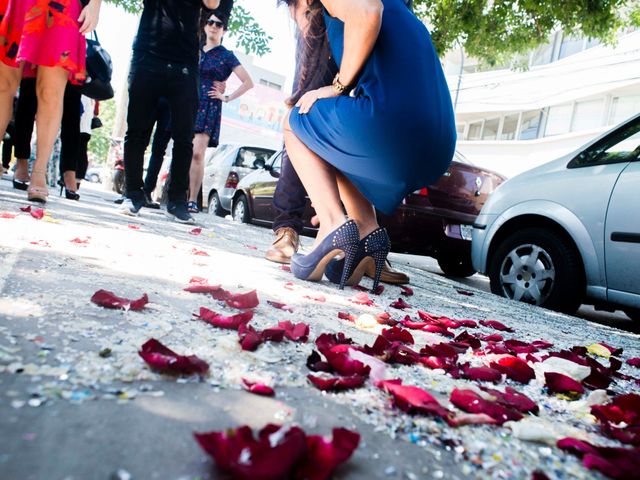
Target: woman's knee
[(9, 83)]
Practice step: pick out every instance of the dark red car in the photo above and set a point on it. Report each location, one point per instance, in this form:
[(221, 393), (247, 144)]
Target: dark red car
[(435, 221)]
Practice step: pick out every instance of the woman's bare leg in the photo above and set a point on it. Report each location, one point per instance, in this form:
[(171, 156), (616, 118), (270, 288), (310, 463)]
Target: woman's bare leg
[(196, 172), (357, 206), (69, 178), (9, 83), (319, 179), (50, 86)]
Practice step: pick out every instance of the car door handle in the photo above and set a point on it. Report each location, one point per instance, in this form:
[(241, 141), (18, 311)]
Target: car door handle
[(626, 237)]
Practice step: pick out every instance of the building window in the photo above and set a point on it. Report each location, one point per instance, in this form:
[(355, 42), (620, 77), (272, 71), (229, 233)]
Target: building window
[(474, 131), (530, 125), (558, 120), (571, 46), (509, 127), (623, 108), (460, 129), (588, 115), (269, 84), (490, 130)]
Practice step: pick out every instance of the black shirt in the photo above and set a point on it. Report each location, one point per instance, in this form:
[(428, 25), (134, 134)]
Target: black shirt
[(169, 29)]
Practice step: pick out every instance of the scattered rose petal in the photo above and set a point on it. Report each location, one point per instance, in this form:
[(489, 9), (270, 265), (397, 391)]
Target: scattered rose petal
[(249, 338), (316, 297), (195, 231), (396, 334), (258, 388), (298, 332), (36, 213), (634, 362), (494, 337), (8, 215), (251, 247), (406, 291), (392, 352), (482, 374), (242, 301), (613, 462), (384, 318), (280, 306), (496, 325), (163, 359), (620, 419), (438, 329), (472, 402), (514, 368), (599, 350), (107, 299), (559, 383), (230, 322), (539, 475), (201, 285), (336, 384), (400, 304), (133, 227), (201, 253), (466, 293), (324, 456), (80, 241), (290, 286), (616, 352), (346, 316), (285, 268), (412, 399), (41, 243), (511, 398), (26, 209), (361, 299)]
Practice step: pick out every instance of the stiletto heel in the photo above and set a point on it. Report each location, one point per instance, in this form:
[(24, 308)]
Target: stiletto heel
[(344, 239), (68, 194), (380, 258)]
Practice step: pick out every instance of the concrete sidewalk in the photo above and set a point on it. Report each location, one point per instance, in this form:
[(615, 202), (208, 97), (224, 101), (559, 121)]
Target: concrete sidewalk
[(68, 412)]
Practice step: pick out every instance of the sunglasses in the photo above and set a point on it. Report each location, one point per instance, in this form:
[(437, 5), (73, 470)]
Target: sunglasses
[(217, 23)]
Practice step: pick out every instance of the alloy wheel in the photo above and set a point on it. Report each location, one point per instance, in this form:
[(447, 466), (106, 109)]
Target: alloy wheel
[(527, 274)]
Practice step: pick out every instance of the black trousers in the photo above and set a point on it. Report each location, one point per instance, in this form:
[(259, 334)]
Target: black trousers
[(161, 139), (82, 163), (150, 78), (289, 199), (25, 117), (70, 131), (7, 146)]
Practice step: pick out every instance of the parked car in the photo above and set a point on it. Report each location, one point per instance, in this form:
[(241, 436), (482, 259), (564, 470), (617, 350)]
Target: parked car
[(224, 167), (436, 220), (95, 174), (568, 232)]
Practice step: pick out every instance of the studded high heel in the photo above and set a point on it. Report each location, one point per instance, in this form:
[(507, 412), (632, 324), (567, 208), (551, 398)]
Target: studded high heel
[(373, 248), (344, 239)]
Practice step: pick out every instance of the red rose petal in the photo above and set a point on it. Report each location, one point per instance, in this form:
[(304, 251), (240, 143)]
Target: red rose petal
[(471, 402), (249, 338), (496, 325), (396, 334), (361, 299), (258, 388), (285, 268), (280, 306), (290, 286), (438, 329), (37, 213), (324, 456), (107, 299), (316, 297), (26, 209), (41, 243), (8, 215), (200, 253), (511, 398), (494, 337), (337, 384), (400, 304), (195, 231), (406, 291), (298, 332), (201, 285), (634, 362), (616, 352), (392, 352), (133, 227), (346, 316), (466, 293), (539, 475), (482, 374), (251, 247), (163, 359), (412, 399), (468, 323), (515, 368), (242, 301), (559, 383), (617, 463), (620, 419), (221, 321), (80, 241)]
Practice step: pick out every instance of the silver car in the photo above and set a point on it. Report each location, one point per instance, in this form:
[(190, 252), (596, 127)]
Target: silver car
[(224, 167), (568, 232)]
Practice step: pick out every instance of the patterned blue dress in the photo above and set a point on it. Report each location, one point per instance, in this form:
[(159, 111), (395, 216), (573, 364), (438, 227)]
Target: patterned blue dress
[(216, 65), (396, 134)]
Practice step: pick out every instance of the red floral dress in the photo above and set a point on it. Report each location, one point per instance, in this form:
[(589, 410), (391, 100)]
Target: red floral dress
[(43, 33)]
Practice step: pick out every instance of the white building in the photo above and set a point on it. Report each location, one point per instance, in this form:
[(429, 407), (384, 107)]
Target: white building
[(574, 89)]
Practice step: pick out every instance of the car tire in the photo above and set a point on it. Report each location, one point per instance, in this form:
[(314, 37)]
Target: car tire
[(214, 207), (555, 281), (633, 313), (240, 209), (456, 266)]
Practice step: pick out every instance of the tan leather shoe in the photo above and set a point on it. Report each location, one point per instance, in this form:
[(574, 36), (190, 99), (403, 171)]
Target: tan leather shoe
[(284, 246), (389, 275)]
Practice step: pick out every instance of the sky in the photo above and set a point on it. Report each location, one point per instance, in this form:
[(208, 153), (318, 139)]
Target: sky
[(117, 29)]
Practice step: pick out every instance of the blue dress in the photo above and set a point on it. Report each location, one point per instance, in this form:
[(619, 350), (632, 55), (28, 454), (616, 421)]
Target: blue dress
[(216, 64), (396, 134)]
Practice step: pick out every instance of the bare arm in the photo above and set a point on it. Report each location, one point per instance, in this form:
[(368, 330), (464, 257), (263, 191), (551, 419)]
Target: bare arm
[(211, 4), (89, 16), (362, 20), (247, 84)]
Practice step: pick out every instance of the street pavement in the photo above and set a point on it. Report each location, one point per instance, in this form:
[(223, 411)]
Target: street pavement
[(77, 401)]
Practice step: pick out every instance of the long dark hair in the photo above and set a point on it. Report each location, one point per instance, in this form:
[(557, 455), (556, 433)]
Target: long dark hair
[(315, 66)]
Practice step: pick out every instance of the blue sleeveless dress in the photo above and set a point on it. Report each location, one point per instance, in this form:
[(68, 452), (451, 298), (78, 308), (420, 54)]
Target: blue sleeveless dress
[(396, 134)]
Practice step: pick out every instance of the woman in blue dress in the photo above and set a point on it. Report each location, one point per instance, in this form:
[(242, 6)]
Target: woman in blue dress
[(384, 128), (216, 66)]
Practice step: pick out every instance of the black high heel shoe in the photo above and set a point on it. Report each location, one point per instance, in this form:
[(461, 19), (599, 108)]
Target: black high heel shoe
[(374, 248), (68, 194), (344, 239), (20, 185)]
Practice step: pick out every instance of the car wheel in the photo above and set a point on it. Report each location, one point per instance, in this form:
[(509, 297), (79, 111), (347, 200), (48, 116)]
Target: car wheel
[(456, 266), (94, 179), (539, 267), (633, 313), (214, 205), (241, 209)]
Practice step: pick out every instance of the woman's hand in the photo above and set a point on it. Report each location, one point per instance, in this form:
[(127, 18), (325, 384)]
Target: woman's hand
[(89, 16), (217, 90), (308, 99)]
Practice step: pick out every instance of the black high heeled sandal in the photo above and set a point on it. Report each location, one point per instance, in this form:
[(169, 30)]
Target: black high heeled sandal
[(68, 194), (20, 185)]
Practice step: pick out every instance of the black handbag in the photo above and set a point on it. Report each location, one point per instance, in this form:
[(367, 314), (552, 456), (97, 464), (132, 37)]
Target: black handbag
[(99, 71), (96, 123)]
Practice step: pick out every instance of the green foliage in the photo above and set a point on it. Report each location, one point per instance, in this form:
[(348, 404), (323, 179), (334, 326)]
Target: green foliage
[(101, 138)]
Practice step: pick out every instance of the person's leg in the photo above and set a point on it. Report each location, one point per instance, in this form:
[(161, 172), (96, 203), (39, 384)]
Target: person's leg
[(25, 119), (290, 197), (50, 86), (357, 206), (196, 171), (319, 178), (161, 139), (9, 82), (7, 147), (70, 137), (83, 159)]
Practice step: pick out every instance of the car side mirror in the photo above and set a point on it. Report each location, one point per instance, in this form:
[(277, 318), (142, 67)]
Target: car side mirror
[(259, 163)]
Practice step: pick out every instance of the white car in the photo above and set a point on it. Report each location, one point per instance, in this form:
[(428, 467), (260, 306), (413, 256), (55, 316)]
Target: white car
[(568, 232)]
